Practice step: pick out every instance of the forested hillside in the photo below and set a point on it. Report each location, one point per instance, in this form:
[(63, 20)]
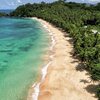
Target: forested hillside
[(2, 14), (80, 21)]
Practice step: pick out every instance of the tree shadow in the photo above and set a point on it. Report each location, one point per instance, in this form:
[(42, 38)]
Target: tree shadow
[(80, 67), (70, 40), (84, 81), (65, 35), (92, 88)]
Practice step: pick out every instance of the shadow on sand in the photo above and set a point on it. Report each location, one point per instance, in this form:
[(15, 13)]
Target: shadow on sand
[(91, 88)]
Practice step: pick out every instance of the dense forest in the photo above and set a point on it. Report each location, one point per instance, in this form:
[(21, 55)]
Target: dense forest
[(80, 21)]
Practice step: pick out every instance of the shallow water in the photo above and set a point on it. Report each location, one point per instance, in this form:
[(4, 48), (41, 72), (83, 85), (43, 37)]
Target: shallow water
[(23, 43)]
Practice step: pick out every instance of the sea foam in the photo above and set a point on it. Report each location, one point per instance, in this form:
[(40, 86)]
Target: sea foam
[(45, 68)]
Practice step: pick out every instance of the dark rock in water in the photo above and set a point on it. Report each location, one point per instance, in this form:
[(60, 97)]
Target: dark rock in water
[(27, 48), (24, 48), (9, 45), (5, 61), (5, 50), (11, 54), (3, 66), (30, 45)]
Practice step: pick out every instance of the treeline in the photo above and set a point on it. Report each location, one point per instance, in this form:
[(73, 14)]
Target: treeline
[(78, 20), (2, 14)]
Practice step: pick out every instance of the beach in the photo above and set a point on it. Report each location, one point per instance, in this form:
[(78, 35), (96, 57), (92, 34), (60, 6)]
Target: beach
[(63, 78)]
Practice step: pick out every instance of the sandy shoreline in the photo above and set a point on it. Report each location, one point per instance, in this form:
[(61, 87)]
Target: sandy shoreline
[(63, 81)]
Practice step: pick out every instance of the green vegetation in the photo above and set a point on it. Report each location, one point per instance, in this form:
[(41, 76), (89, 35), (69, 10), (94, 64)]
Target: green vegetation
[(76, 19), (2, 14), (98, 92)]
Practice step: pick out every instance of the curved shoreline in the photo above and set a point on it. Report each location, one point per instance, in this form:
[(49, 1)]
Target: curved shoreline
[(61, 80), (45, 68)]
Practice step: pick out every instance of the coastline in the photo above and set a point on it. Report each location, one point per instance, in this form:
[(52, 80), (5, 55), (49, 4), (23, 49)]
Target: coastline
[(47, 60), (60, 80)]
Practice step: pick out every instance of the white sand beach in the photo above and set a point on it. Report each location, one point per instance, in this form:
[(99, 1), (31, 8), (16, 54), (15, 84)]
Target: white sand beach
[(63, 81)]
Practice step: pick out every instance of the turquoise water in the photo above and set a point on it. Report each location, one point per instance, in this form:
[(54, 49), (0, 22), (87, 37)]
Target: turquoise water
[(23, 43)]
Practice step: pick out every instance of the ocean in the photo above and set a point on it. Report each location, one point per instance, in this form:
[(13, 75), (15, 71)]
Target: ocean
[(23, 43)]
